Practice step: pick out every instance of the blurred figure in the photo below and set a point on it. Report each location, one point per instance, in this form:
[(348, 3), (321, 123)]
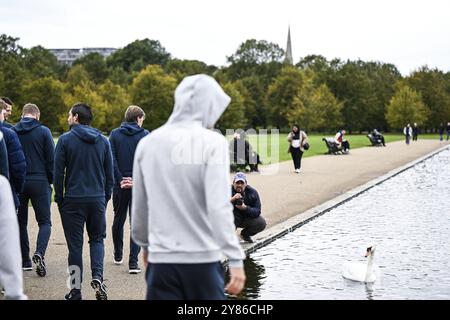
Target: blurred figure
[(441, 131), (297, 140), (415, 132), (181, 212), (242, 154), (8, 112), (10, 261), (4, 167), (447, 128), (341, 142), (407, 131)]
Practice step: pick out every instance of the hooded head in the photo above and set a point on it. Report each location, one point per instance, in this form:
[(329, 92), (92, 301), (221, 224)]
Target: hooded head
[(199, 98)]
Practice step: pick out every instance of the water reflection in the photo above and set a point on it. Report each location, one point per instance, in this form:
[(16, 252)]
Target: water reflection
[(406, 216)]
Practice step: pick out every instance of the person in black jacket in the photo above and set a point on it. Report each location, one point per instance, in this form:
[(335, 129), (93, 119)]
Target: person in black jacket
[(8, 112), (83, 181), (16, 158), (246, 208), (4, 167), (415, 131), (124, 141), (39, 149)]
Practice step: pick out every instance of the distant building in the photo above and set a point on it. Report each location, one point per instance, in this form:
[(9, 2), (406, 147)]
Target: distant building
[(288, 58), (68, 56)]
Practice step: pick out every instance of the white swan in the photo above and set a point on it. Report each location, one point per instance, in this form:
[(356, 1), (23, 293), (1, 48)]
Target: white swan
[(358, 271)]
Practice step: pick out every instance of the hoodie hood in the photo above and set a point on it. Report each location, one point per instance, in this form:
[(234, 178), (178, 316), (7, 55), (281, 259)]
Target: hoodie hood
[(86, 133), (130, 128), (199, 98), (26, 125)]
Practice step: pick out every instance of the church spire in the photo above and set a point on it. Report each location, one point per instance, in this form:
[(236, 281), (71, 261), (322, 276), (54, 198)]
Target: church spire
[(288, 59)]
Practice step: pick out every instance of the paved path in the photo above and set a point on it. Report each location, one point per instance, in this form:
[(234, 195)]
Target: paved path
[(283, 195)]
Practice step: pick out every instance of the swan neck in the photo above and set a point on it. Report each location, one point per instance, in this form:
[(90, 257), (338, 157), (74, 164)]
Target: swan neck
[(369, 267)]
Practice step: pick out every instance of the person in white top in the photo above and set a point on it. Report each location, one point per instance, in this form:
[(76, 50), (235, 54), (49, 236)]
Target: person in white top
[(407, 131), (297, 139), (181, 211), (11, 279)]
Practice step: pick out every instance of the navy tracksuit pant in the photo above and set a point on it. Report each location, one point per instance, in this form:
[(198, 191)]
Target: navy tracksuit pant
[(40, 193), (73, 217), (122, 206), (177, 281)]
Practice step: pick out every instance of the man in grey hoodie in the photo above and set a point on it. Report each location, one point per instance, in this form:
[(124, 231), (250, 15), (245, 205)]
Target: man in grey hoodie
[(181, 213), (10, 259)]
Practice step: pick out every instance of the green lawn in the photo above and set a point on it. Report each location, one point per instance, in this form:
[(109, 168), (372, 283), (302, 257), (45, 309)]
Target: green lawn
[(317, 146)]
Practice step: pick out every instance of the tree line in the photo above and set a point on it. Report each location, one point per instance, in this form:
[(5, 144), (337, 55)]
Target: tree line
[(321, 95)]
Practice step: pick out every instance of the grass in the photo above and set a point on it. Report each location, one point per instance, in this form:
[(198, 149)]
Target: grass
[(317, 146)]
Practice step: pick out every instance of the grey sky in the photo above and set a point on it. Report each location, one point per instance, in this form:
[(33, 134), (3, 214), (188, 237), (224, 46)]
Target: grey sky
[(407, 33)]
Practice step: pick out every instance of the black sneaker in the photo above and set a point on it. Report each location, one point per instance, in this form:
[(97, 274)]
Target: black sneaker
[(74, 294), (118, 259), (100, 289), (247, 238), (134, 268), (27, 266), (41, 270)]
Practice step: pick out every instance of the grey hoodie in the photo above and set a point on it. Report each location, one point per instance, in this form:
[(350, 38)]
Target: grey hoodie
[(181, 210), (10, 258)]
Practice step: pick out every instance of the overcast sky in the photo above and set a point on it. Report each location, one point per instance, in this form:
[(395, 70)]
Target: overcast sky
[(407, 33)]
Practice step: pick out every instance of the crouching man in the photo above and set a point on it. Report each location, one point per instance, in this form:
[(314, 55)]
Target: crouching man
[(246, 208)]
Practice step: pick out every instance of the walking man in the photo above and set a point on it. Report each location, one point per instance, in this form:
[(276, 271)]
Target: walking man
[(83, 184), (407, 131), (181, 212), (39, 150), (123, 145), (415, 132)]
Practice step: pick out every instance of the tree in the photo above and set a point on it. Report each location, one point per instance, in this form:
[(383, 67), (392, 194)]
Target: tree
[(406, 106), (234, 115), (138, 54), (284, 94), (432, 86), (182, 68), (320, 110), (40, 62), (152, 90), (117, 100), (48, 94), (95, 65)]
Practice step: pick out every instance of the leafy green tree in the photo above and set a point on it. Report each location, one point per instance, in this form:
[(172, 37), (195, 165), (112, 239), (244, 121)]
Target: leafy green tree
[(406, 106), (40, 62), (95, 65), (117, 100), (234, 115), (432, 86), (48, 94), (182, 68), (284, 94), (138, 54), (153, 91)]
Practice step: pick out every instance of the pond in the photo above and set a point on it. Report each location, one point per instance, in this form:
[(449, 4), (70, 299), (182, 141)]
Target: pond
[(406, 217)]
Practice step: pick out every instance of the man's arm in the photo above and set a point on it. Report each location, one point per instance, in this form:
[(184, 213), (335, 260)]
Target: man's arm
[(112, 141), (49, 155), (109, 171), (252, 209), (139, 206), (17, 163), (58, 171)]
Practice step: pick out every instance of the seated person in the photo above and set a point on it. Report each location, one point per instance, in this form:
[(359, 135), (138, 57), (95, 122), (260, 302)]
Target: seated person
[(341, 142), (242, 154), (246, 208), (377, 135)]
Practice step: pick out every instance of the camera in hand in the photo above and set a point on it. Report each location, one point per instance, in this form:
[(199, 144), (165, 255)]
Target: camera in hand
[(238, 202)]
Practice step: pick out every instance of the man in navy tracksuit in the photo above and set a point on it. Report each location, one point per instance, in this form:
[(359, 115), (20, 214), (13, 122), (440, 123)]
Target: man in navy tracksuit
[(17, 165), (83, 184), (124, 141), (39, 149)]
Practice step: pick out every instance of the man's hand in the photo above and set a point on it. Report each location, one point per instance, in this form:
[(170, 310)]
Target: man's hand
[(237, 280), (237, 196), (126, 183), (145, 257)]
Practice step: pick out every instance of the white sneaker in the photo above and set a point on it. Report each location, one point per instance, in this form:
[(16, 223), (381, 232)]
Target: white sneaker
[(297, 170)]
